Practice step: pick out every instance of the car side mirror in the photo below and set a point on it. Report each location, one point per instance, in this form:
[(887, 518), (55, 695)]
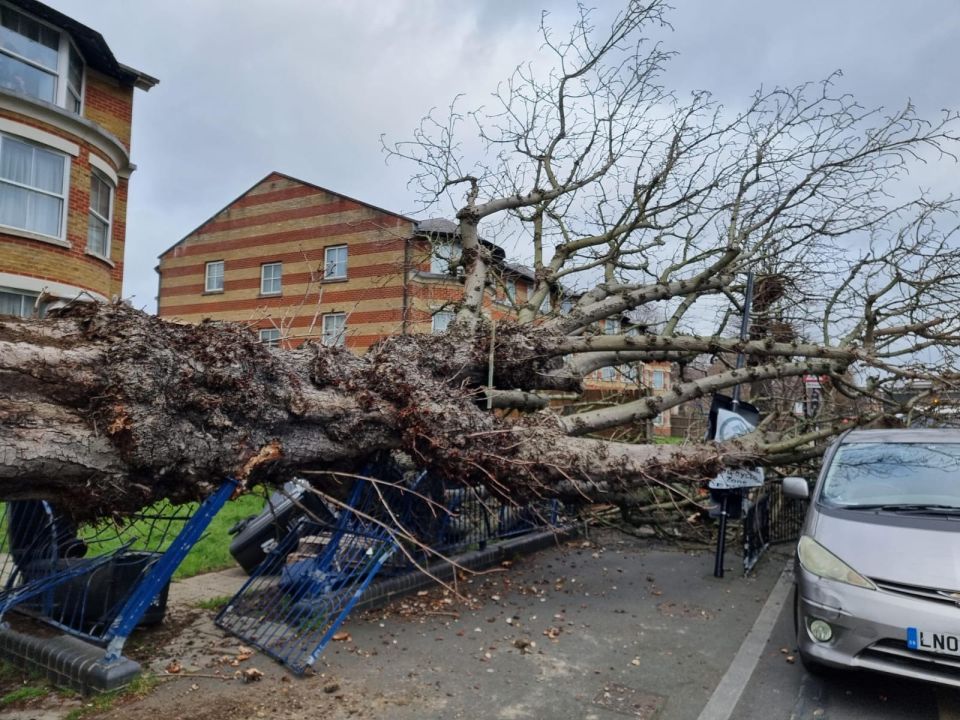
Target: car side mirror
[(796, 488)]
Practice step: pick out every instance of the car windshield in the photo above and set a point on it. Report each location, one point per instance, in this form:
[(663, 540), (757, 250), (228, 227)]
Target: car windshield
[(904, 476)]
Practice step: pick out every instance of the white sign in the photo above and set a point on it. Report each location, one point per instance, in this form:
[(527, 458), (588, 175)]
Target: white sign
[(736, 479), (729, 426)]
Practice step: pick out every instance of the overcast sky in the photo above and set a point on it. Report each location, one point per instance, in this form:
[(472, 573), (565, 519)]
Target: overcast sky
[(306, 87)]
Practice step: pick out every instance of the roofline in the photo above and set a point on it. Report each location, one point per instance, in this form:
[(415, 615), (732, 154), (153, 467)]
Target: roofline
[(141, 81), (288, 177)]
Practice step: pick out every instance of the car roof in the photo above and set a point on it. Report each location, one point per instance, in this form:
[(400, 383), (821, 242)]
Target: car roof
[(903, 435)]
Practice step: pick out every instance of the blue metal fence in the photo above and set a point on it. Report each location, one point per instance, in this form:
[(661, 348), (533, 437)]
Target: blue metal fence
[(96, 582), (392, 522)]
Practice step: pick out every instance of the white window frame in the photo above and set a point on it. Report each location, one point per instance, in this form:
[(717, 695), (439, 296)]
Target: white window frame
[(278, 279), (271, 337), (659, 420), (611, 326), (333, 337), (662, 381), (64, 197), (608, 373), (207, 275), (330, 266), (446, 316), (62, 93), (96, 174)]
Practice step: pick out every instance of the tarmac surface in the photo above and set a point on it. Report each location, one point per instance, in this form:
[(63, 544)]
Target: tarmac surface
[(608, 627)]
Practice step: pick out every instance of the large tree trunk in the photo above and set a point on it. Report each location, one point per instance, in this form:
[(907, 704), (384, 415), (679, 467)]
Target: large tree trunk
[(106, 409)]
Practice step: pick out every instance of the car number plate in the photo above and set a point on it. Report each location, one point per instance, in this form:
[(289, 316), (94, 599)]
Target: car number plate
[(937, 642)]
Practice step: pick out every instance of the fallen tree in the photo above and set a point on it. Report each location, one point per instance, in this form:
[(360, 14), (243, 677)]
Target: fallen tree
[(641, 214)]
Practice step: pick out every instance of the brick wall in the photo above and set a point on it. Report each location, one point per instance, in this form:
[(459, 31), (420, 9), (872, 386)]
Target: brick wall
[(284, 220), (109, 104)]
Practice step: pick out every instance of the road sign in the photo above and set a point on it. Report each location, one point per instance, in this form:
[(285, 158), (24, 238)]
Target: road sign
[(737, 479)]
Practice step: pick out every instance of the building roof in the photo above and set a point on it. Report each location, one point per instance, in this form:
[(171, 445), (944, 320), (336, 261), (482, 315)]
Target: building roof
[(277, 174), (91, 44)]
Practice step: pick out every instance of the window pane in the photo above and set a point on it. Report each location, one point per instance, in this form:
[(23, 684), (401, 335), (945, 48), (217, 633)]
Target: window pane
[(29, 38), (75, 71), (270, 278), (47, 171), (214, 276), (100, 196), (14, 303), (334, 327), (16, 161), (20, 77), (97, 236), (270, 336), (13, 206), (441, 321), (44, 216), (335, 262)]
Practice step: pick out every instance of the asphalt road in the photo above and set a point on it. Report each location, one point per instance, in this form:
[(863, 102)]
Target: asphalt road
[(779, 688)]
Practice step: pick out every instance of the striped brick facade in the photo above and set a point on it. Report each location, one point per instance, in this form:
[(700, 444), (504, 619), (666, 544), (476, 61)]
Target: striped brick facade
[(283, 220), (46, 267)]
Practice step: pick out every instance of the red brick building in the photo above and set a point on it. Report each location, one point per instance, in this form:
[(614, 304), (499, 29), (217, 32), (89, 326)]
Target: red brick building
[(297, 261), (66, 106)]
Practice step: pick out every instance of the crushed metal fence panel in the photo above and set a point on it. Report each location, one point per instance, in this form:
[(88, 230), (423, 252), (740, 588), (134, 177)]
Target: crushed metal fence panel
[(96, 582), (392, 524)]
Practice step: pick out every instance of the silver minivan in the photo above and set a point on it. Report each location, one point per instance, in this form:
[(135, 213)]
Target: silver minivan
[(878, 561)]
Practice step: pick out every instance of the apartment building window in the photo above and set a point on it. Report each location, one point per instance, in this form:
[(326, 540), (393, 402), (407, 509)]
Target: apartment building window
[(32, 187), (442, 320), (16, 303), (270, 336), (334, 329), (213, 281), (608, 373), (271, 277), (335, 263), (98, 224), (445, 258), (611, 327), (38, 60), (510, 287), (659, 420), (658, 379)]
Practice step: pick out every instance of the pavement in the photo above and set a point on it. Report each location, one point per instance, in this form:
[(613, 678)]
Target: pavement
[(595, 628)]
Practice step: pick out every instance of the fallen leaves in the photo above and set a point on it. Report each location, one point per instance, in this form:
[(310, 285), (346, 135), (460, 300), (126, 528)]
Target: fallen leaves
[(251, 675)]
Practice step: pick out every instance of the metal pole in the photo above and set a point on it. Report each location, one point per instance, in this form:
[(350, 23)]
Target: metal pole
[(493, 340), (721, 538), (744, 333)]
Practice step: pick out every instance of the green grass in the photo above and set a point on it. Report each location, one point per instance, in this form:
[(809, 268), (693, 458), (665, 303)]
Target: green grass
[(212, 551), (141, 686), (667, 440), (214, 603), (28, 692)]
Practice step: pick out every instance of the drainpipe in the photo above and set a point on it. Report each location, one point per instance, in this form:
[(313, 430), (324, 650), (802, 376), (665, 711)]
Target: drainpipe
[(406, 273)]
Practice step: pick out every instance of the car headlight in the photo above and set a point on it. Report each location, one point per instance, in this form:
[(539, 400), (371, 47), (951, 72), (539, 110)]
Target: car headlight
[(816, 559)]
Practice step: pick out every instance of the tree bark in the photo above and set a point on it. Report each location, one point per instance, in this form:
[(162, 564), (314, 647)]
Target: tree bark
[(105, 409)]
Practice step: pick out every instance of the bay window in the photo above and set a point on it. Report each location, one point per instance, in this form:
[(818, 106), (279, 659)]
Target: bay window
[(32, 187), (98, 223), (38, 60)]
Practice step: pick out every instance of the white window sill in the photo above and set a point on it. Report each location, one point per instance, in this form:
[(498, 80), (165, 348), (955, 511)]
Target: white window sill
[(335, 278), (18, 232), (270, 294), (100, 257), (212, 292)]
